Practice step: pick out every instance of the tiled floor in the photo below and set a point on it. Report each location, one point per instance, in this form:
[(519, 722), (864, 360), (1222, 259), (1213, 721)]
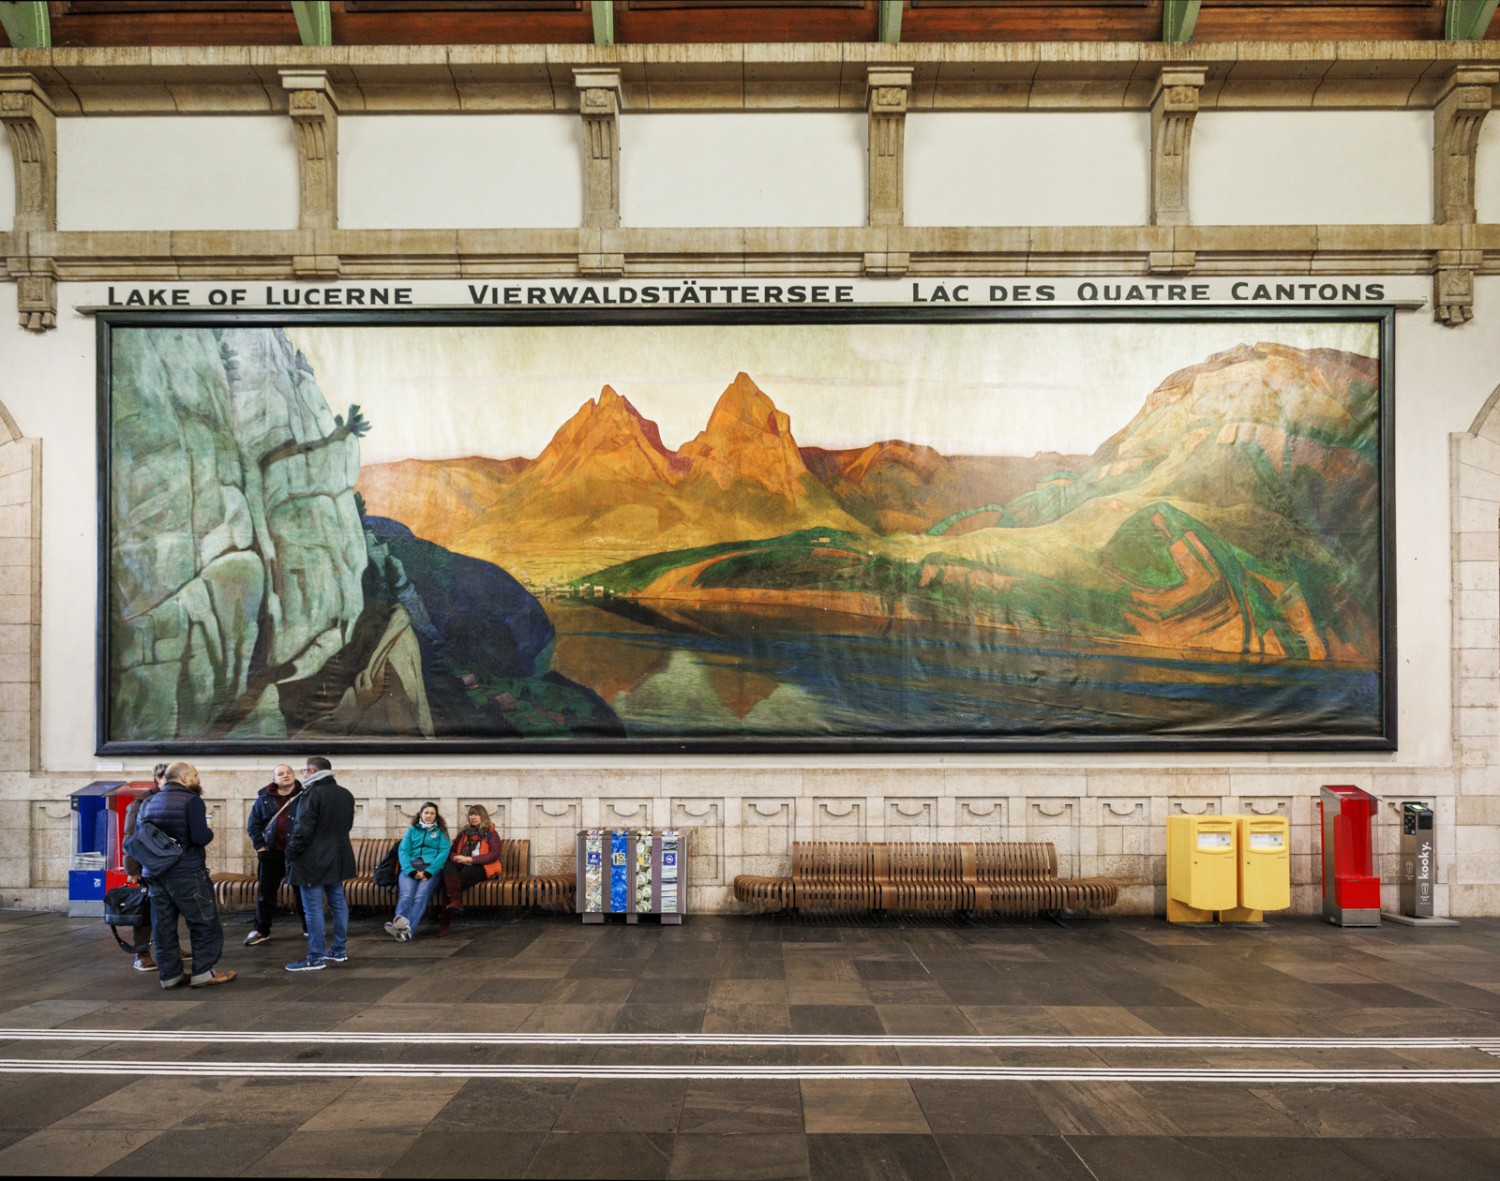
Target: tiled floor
[(407, 1061)]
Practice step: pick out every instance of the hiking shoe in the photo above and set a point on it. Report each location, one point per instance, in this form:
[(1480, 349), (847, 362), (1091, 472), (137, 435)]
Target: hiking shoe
[(208, 978), (177, 981), (144, 962), (306, 966), (256, 937), (336, 957)]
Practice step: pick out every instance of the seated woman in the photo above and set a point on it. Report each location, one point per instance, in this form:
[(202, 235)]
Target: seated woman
[(475, 857), (424, 849)]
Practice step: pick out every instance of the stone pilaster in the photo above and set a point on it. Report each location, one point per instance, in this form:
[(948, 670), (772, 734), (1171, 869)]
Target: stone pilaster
[(599, 104), (886, 96), (32, 127), (315, 114), (1174, 106)]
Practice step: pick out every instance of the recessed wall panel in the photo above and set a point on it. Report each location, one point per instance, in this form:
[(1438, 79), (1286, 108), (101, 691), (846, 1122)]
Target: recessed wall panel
[(460, 171), (1311, 168), (1487, 179), (1026, 168), (7, 189), (177, 173), (752, 169)]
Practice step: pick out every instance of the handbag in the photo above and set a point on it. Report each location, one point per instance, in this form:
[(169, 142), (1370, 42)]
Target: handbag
[(155, 850), (389, 867), (127, 906)]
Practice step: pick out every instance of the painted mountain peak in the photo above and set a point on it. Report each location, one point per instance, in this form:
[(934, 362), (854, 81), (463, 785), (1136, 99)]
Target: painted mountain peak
[(1236, 515)]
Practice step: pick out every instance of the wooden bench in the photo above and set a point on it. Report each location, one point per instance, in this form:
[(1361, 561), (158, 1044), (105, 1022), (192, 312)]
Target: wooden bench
[(998, 877), (515, 887)]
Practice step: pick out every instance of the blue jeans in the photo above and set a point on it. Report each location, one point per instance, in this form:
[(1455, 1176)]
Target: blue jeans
[(411, 904), (192, 896), (312, 907)]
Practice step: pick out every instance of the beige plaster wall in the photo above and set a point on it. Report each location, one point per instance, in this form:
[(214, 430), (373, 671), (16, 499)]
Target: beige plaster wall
[(804, 168), (1276, 167), (1066, 168), (460, 170), (1487, 178), (216, 172)]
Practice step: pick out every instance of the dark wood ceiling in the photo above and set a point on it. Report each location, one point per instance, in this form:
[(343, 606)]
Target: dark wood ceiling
[(101, 23)]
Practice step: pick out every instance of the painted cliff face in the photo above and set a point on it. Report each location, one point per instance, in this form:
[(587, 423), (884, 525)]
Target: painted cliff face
[(999, 531)]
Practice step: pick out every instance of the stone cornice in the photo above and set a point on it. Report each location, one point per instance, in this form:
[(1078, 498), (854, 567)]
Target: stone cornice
[(979, 75), (139, 257)]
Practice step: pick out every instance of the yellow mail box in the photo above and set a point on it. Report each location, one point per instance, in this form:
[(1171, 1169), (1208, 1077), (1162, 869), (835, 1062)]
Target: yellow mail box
[(1265, 863), (1202, 867)]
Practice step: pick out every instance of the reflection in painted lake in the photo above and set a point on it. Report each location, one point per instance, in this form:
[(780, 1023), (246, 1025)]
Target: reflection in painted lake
[(782, 673)]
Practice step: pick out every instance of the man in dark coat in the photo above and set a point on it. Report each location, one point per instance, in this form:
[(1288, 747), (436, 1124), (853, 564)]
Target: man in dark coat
[(319, 856), (269, 825), (184, 887)]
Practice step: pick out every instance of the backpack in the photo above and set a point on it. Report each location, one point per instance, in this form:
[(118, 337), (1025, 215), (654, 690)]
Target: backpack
[(389, 867), (155, 850), (127, 906)]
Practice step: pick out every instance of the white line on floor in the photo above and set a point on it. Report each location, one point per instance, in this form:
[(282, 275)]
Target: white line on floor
[(296, 1070), (792, 1040)]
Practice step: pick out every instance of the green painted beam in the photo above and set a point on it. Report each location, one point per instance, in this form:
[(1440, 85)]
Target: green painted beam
[(603, 12), (1468, 20), (890, 21), (27, 24), (1178, 19), (314, 21)]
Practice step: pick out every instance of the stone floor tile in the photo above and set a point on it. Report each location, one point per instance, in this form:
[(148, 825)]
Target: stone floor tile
[(198, 1153), (876, 1157), (742, 1105), (633, 1105), (750, 1156), (979, 1157), (860, 1106), (622, 1155)]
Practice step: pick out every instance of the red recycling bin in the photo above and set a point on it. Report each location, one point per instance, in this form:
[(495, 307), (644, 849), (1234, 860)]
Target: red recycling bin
[(1351, 887)]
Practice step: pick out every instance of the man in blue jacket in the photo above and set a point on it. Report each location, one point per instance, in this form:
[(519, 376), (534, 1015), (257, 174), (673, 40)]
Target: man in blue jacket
[(184, 888), (269, 825)]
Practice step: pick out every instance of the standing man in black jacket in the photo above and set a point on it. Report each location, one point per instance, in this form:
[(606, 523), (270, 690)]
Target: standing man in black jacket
[(268, 827), (319, 856), (184, 888)]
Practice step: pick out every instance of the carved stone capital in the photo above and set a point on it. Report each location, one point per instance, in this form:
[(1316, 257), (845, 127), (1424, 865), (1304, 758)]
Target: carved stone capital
[(1466, 98), (887, 95), (32, 126), (314, 109), (36, 292), (600, 103), (1174, 106), (1453, 286)]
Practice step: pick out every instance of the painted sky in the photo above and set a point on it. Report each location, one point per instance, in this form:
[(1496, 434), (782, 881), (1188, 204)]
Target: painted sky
[(966, 389)]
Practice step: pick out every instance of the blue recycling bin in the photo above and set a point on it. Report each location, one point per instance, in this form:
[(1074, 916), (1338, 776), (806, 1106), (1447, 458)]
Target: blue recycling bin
[(90, 847)]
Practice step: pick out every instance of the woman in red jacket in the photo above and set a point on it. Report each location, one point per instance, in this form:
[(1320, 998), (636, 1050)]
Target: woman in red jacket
[(475, 857)]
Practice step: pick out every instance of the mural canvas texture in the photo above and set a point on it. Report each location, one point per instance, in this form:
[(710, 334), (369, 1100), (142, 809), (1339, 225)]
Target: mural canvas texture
[(733, 532)]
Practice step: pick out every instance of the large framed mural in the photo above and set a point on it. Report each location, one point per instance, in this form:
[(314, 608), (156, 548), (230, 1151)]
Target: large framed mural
[(847, 529)]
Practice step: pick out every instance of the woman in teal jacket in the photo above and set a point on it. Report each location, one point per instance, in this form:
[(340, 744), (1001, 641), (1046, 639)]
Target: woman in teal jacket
[(424, 849)]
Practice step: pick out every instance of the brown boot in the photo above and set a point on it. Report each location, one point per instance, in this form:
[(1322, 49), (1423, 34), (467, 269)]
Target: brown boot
[(445, 921), (144, 962)]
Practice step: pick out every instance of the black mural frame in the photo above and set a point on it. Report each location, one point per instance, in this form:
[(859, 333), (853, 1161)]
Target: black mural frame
[(1385, 740)]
